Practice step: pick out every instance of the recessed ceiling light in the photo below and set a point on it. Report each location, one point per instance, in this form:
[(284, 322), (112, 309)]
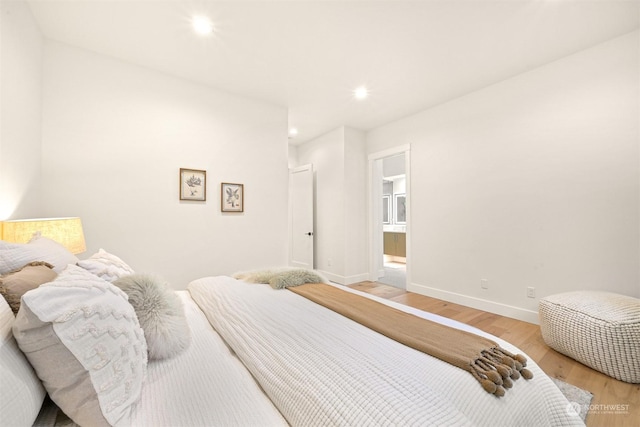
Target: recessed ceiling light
[(361, 93), (293, 132), (202, 25)]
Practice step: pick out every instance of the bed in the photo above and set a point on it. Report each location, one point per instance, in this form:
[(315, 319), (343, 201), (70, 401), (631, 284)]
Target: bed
[(257, 356)]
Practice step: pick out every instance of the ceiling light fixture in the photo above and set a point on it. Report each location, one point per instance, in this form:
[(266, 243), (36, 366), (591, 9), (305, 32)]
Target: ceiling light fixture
[(202, 25), (361, 93)]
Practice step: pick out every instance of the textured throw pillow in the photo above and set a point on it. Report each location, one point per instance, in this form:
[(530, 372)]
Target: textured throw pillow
[(21, 392), (106, 266), (85, 343), (15, 284), (160, 313), (14, 255), (280, 278)]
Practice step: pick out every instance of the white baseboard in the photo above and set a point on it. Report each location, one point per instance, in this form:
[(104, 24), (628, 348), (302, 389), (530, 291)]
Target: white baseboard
[(345, 280), (477, 303)]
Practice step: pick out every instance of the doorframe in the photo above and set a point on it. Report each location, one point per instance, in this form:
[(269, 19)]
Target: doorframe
[(374, 204)]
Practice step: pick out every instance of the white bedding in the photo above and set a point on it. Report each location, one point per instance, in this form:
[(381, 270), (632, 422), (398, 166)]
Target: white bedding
[(320, 368), (204, 385)]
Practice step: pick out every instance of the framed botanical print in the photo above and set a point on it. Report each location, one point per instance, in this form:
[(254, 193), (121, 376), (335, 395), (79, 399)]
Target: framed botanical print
[(193, 184), (232, 197)]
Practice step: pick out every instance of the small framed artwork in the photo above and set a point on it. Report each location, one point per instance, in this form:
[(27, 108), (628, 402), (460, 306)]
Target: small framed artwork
[(232, 197), (193, 184)]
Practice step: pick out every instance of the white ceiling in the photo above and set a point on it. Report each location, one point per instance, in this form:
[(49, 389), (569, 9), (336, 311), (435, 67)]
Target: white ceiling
[(310, 55)]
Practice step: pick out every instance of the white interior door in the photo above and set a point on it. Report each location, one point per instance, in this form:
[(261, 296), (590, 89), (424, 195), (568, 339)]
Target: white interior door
[(301, 217)]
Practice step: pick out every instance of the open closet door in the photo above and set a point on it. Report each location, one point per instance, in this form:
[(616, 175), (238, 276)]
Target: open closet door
[(301, 217)]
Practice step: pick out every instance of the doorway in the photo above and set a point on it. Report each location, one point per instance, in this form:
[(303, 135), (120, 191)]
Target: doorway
[(394, 222), (389, 184)]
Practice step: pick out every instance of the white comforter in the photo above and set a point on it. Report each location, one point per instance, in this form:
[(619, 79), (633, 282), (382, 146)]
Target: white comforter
[(204, 386), (320, 368)]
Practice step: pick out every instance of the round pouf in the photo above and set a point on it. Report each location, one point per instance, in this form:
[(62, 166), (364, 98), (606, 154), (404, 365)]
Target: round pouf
[(598, 329)]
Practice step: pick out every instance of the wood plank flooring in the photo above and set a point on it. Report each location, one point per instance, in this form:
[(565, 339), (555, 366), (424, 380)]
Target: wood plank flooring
[(527, 337)]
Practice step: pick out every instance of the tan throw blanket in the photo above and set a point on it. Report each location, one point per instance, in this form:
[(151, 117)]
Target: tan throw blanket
[(493, 366)]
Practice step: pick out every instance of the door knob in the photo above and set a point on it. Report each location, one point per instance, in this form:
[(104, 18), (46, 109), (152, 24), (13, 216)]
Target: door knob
[(310, 234)]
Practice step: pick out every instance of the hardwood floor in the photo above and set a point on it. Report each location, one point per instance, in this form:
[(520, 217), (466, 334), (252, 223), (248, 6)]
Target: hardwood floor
[(527, 337)]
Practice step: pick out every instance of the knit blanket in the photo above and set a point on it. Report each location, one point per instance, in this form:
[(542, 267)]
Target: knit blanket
[(493, 366)]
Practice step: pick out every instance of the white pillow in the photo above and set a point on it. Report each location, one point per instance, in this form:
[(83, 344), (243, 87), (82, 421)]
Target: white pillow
[(15, 255), (84, 341), (21, 393), (106, 266)]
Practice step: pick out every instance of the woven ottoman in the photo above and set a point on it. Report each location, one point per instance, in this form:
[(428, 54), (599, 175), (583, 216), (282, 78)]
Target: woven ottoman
[(598, 329)]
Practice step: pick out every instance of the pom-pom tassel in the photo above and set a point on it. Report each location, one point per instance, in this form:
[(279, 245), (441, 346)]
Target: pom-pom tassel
[(489, 386), (506, 383), (520, 363), (508, 361), (496, 369), (490, 365), (527, 374), (504, 371), (520, 358), (495, 377)]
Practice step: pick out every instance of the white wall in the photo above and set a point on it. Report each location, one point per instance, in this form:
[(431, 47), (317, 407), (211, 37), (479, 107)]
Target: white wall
[(20, 112), (293, 156), (533, 181), (355, 206), (326, 153), (339, 163), (115, 136)]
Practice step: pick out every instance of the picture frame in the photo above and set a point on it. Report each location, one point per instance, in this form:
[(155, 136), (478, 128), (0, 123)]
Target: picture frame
[(400, 208), (231, 197), (193, 184)]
